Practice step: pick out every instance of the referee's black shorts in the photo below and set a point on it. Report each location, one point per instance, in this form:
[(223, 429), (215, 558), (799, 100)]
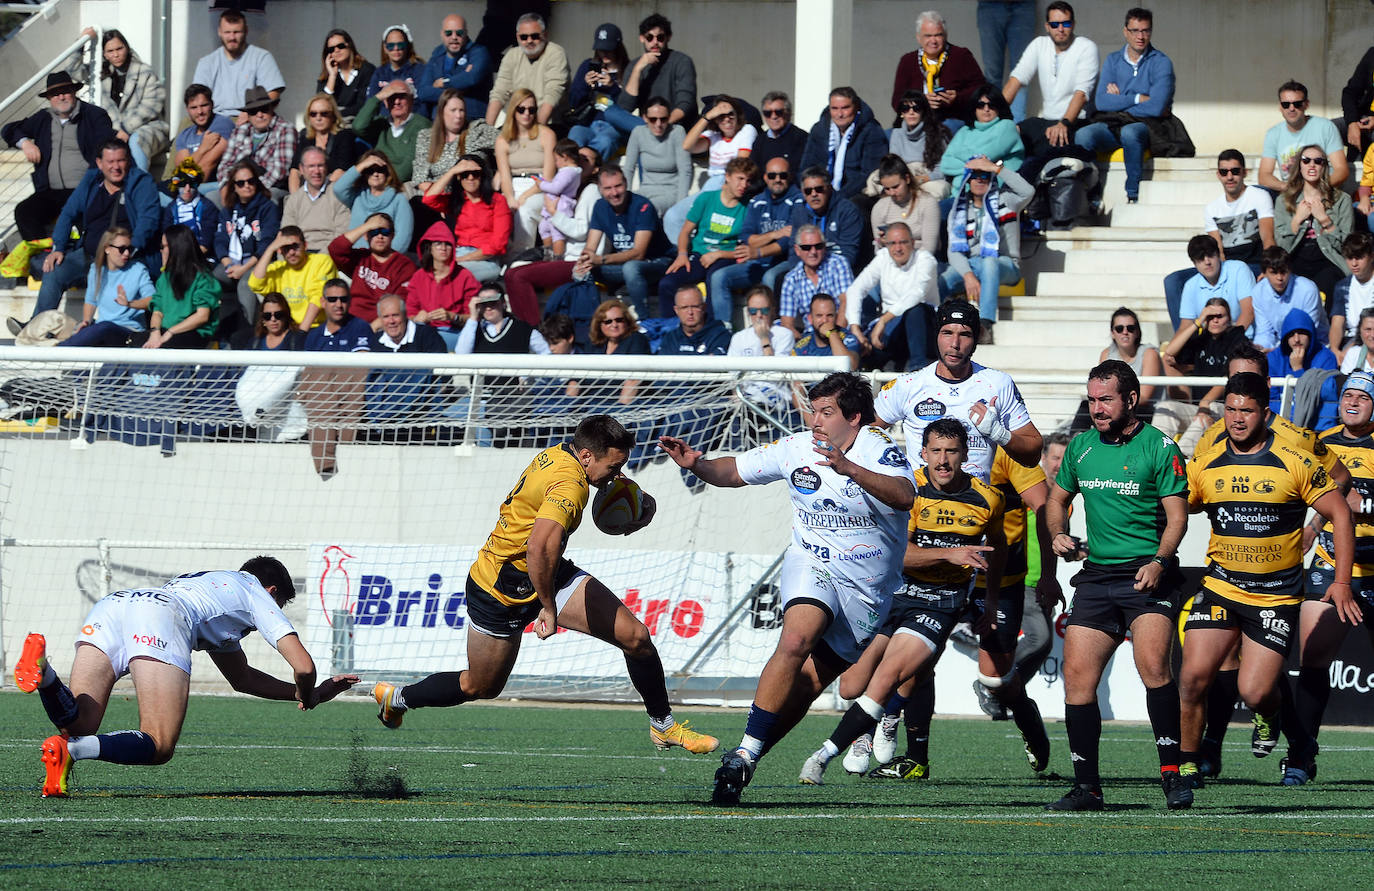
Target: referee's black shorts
[(1105, 597)]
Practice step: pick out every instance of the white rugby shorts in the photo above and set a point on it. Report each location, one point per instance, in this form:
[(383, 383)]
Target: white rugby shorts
[(148, 623), (856, 613)]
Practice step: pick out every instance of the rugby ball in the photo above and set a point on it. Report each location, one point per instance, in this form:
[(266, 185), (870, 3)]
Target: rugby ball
[(618, 507)]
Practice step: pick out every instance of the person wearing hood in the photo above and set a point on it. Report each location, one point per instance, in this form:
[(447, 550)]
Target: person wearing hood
[(1297, 354), (440, 291), (993, 135), (847, 141)]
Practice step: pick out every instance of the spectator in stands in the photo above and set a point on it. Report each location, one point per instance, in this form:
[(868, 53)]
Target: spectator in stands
[(297, 275), (312, 205), (250, 223), (204, 141), (706, 245), (437, 149), (1067, 67), (1359, 356), (1312, 220), (134, 98), (1203, 350), (274, 329), (456, 64), (396, 133), (614, 331), (440, 292), (114, 283), (1284, 141), (372, 186), (837, 217), (819, 270), (764, 335), (780, 138), (237, 67), (266, 139), (915, 142), (985, 236), (696, 333), (759, 254), (1140, 81), (333, 397), (991, 135), (625, 244), (524, 152), (59, 160), (492, 329), (597, 120), (1277, 293), (1298, 355), (376, 270), (1126, 336), (904, 201), (1357, 104), (185, 306), (724, 135), (1365, 189), (324, 130), (342, 332), (191, 208), (344, 74), (847, 142), (1005, 29), (655, 151), (1230, 279), (562, 189), (535, 64), (946, 73), (661, 72), (479, 214), (824, 335), (114, 194), (1355, 294), (399, 61), (899, 326)]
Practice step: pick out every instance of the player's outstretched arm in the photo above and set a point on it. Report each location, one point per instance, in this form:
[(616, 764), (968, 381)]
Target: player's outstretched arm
[(244, 678), (712, 471)]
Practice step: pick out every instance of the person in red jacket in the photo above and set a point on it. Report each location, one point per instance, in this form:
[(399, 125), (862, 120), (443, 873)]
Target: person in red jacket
[(440, 291), (479, 215), (376, 271), (946, 73)]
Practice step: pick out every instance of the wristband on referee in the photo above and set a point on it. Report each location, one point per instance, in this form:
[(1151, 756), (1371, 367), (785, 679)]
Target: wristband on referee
[(1161, 560)]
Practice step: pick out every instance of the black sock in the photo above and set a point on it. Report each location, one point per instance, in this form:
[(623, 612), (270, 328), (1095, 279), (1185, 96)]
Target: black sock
[(920, 708), (854, 724), (127, 747), (1303, 720), (1221, 707), (647, 676), (59, 703), (1163, 707), (436, 691), (1084, 725), (1024, 713)]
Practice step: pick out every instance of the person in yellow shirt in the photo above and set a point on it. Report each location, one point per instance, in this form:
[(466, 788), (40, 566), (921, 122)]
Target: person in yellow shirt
[(298, 276)]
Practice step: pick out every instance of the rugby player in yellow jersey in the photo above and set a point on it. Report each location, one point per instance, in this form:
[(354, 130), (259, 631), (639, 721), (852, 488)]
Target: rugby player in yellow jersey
[(1321, 628), (521, 574), (1256, 492), (955, 530)]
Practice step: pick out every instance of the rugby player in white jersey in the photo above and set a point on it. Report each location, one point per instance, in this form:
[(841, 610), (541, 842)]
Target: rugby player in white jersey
[(149, 633), (852, 489)]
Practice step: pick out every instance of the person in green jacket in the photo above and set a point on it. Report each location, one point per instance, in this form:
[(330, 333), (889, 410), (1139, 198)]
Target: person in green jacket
[(184, 307), (396, 137)]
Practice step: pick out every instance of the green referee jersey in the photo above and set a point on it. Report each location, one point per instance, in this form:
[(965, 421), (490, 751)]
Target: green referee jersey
[(1122, 484)]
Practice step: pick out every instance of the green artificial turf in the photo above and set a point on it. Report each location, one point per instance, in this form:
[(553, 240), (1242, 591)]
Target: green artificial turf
[(261, 795)]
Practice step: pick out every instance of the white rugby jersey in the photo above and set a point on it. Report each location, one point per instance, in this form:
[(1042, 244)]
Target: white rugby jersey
[(222, 607), (919, 397), (835, 521)]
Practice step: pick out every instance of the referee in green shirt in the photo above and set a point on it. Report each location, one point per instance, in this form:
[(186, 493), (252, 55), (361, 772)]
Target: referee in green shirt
[(1135, 494)]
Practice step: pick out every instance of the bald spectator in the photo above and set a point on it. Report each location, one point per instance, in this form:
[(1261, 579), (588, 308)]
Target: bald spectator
[(661, 71), (899, 324), (767, 221), (946, 73), (237, 66), (536, 64), (847, 142), (457, 64), (697, 334)]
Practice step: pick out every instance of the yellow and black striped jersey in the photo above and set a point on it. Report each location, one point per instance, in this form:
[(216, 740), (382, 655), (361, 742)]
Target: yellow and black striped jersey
[(1011, 478), (553, 487), (1357, 454), (1257, 504), (1284, 430), (949, 520)]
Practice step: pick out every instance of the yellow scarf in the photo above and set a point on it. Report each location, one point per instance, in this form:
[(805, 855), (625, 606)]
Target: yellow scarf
[(932, 71)]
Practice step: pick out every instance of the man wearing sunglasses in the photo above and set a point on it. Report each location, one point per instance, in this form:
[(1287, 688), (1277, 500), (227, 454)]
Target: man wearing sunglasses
[(844, 226), (396, 137), (298, 276), (333, 397), (1283, 141), (457, 64), (818, 271), (376, 270), (237, 66), (535, 63), (661, 72), (767, 222), (1067, 67), (780, 137)]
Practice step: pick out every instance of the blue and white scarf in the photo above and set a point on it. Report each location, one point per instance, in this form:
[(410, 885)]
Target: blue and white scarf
[(962, 228), (839, 144)]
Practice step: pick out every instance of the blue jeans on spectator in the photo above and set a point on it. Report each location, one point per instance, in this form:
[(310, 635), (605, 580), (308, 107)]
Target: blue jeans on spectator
[(909, 338), (992, 272), (69, 273), (482, 270), (695, 273), (636, 276), (1135, 139), (106, 334), (1005, 29), (607, 131)]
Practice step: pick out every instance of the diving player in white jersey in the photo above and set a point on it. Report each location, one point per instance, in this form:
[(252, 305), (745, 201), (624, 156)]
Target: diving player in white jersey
[(983, 399), (852, 489), (150, 633)]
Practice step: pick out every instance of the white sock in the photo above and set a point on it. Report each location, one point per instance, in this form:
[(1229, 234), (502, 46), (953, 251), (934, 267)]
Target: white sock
[(750, 747), (84, 747), (873, 709), (826, 752), (662, 723)]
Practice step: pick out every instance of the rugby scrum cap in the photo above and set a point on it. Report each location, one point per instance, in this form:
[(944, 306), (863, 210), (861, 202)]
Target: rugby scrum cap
[(1360, 380), (959, 312)]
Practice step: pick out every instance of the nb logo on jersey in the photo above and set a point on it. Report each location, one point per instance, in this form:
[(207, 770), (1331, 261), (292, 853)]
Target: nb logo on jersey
[(1240, 485)]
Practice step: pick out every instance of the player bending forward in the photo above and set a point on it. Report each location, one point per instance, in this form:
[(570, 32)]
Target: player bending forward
[(149, 633), (521, 574), (852, 489)]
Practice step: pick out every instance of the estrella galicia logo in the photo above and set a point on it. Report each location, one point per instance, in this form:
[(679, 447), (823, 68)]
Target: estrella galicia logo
[(930, 409), (829, 504), (804, 479), (893, 457)]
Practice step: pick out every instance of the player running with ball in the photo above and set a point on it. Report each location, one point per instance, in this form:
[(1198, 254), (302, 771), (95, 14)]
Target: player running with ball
[(521, 575), (851, 489)]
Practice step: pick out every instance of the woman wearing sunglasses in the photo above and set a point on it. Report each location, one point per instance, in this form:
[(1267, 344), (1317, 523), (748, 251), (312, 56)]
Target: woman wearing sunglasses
[(399, 60), (1311, 220), (524, 150), (274, 329), (113, 286), (992, 134), (344, 73), (324, 129), (371, 186)]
